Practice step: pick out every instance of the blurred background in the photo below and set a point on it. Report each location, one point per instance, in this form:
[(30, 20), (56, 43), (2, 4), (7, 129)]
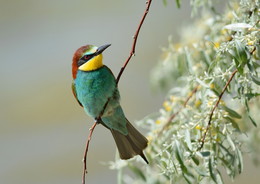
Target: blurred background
[(43, 129)]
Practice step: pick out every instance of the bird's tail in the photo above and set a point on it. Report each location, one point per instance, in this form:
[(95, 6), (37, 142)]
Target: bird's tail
[(131, 144)]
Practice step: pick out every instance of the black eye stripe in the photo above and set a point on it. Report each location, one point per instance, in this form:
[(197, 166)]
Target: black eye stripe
[(85, 59), (81, 62)]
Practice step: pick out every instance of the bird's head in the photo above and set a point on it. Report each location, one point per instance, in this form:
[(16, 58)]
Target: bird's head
[(87, 58)]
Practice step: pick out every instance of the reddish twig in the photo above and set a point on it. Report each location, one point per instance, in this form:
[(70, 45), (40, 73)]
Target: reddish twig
[(168, 122), (86, 152), (132, 52), (98, 120), (214, 108)]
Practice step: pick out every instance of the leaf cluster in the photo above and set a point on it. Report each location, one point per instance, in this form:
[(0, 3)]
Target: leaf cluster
[(208, 52)]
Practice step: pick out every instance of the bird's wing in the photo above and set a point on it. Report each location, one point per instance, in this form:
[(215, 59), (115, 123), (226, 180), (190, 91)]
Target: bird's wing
[(74, 92)]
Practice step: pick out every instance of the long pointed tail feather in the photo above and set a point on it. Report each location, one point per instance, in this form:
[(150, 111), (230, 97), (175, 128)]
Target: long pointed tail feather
[(131, 144)]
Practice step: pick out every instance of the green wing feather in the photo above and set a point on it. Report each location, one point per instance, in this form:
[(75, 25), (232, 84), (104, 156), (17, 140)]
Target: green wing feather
[(73, 87)]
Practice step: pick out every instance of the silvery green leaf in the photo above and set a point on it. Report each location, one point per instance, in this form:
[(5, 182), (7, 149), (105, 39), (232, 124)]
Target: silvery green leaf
[(252, 120), (219, 178), (211, 168), (202, 83), (178, 3), (201, 172), (179, 157), (187, 178), (255, 79), (234, 123), (137, 172), (251, 95), (240, 161), (120, 176), (189, 60), (195, 160), (231, 143), (205, 153), (224, 150), (237, 26), (240, 55), (212, 65), (187, 139), (231, 112)]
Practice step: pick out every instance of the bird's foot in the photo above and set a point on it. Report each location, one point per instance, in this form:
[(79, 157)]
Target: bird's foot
[(98, 120)]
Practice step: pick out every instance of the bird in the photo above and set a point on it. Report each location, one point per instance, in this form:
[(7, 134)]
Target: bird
[(95, 88)]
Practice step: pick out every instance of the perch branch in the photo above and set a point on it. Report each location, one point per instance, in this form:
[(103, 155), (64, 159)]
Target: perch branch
[(214, 108), (86, 151), (132, 52), (98, 120)]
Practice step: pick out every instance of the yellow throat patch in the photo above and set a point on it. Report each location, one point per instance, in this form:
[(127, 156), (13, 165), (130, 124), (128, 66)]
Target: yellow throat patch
[(93, 64)]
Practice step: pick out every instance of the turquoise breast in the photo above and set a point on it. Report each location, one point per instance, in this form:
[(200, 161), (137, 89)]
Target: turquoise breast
[(93, 88)]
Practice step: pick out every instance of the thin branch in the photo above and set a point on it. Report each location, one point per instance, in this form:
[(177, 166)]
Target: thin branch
[(98, 119), (168, 122), (132, 52), (214, 108), (86, 152)]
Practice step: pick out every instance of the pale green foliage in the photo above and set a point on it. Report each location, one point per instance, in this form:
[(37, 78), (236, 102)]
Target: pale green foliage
[(208, 52)]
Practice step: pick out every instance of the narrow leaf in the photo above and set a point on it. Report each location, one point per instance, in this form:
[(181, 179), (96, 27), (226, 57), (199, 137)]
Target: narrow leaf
[(252, 95), (187, 178), (187, 139), (137, 172), (188, 60), (212, 65), (206, 59), (240, 56), (178, 3), (231, 143), (238, 26), (240, 161), (215, 91), (247, 107), (252, 120), (227, 165), (205, 153), (201, 173), (255, 79), (211, 172), (202, 83), (195, 160), (250, 66), (179, 157), (241, 53), (120, 176), (231, 112), (234, 124), (224, 150), (256, 63), (219, 178)]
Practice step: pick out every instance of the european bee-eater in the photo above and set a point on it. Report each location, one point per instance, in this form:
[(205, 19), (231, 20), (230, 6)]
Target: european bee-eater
[(93, 84)]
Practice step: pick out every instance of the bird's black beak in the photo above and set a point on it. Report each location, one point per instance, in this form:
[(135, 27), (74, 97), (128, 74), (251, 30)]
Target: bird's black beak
[(101, 49)]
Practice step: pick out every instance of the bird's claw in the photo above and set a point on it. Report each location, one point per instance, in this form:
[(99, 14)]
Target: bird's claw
[(98, 120)]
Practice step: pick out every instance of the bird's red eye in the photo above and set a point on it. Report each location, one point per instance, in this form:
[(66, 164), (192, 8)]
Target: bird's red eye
[(86, 57)]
